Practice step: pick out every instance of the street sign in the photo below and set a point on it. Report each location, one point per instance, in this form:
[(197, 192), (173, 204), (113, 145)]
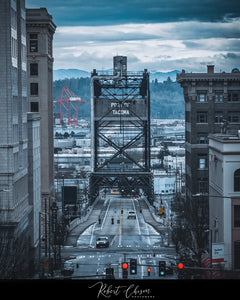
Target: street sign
[(161, 211), (217, 253)]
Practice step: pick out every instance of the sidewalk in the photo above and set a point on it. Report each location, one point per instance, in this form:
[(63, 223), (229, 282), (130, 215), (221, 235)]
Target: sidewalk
[(149, 218), (78, 225)]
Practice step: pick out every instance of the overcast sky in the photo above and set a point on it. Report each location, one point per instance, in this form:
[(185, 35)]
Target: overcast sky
[(160, 35)]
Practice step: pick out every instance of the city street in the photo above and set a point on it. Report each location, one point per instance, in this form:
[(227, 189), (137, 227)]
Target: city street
[(129, 236)]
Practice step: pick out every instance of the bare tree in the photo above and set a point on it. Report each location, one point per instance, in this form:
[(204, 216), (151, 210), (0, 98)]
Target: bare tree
[(189, 232)]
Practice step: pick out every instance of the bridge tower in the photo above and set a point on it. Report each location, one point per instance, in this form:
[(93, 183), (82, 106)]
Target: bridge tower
[(120, 122)]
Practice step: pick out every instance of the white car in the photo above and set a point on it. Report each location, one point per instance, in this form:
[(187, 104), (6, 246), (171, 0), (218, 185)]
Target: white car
[(131, 215), (102, 242)]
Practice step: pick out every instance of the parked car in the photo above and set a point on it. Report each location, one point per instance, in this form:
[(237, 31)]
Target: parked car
[(68, 269)]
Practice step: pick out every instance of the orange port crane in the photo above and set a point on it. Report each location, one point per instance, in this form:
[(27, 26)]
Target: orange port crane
[(69, 101)]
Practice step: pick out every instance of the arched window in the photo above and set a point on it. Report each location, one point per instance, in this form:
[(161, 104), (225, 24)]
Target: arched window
[(237, 180)]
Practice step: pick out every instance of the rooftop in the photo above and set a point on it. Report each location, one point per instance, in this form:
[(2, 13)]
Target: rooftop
[(209, 75), (225, 138)]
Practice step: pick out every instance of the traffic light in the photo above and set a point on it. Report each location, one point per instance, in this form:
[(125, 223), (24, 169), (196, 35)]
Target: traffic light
[(110, 273), (133, 266), (125, 270), (180, 266), (149, 271), (162, 267)]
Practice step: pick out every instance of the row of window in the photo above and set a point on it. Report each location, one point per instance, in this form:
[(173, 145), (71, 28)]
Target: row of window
[(202, 186), (202, 183), (233, 117), (202, 117), (218, 97), (34, 106)]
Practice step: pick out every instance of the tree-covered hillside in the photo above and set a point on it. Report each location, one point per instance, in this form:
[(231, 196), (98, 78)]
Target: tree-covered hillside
[(166, 97)]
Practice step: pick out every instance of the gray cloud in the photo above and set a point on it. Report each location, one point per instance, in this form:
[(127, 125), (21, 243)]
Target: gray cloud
[(106, 12), (154, 34)]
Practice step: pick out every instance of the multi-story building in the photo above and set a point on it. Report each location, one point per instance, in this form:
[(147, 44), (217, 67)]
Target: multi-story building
[(212, 105), (224, 196), (40, 31), (14, 202), (34, 185)]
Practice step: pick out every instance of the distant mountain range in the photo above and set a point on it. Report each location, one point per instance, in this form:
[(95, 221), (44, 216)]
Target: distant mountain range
[(61, 74)]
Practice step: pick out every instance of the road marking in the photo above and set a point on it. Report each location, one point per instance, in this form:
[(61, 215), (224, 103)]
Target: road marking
[(90, 243), (106, 213), (119, 267), (113, 240), (140, 262), (120, 227), (139, 231)]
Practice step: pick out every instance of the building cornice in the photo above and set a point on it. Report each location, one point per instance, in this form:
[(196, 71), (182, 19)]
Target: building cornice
[(208, 77)]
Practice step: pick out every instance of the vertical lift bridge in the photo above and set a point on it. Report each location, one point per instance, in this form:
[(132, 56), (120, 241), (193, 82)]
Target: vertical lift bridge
[(120, 116)]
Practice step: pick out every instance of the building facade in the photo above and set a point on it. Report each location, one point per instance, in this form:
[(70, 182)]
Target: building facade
[(34, 184), (40, 31), (14, 202), (224, 195), (212, 105)]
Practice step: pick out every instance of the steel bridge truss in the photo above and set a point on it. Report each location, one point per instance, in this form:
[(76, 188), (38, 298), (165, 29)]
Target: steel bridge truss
[(120, 114)]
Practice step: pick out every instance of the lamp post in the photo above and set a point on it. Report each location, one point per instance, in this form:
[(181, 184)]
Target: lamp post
[(210, 230)]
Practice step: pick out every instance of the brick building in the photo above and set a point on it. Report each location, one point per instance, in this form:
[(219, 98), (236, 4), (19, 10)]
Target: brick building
[(212, 105)]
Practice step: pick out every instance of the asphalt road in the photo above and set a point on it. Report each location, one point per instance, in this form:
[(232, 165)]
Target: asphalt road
[(128, 238)]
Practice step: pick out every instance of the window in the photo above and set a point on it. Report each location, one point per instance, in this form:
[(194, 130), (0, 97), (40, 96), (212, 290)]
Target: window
[(34, 107), (33, 45), (219, 117), (202, 138), (14, 47), (34, 69), (202, 97), (202, 185), (34, 89), (219, 97), (202, 117), (234, 117), (202, 162), (237, 255), (236, 215), (234, 96), (237, 181)]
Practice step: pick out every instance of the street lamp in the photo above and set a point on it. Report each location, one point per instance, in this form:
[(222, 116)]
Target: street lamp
[(210, 230)]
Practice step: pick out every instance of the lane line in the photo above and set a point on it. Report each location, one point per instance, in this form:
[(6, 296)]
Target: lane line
[(140, 262), (120, 227), (106, 214), (139, 231), (90, 243)]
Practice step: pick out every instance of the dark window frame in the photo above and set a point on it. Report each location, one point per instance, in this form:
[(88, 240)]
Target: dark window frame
[(34, 89), (34, 106), (33, 42), (34, 69), (202, 117), (237, 180)]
